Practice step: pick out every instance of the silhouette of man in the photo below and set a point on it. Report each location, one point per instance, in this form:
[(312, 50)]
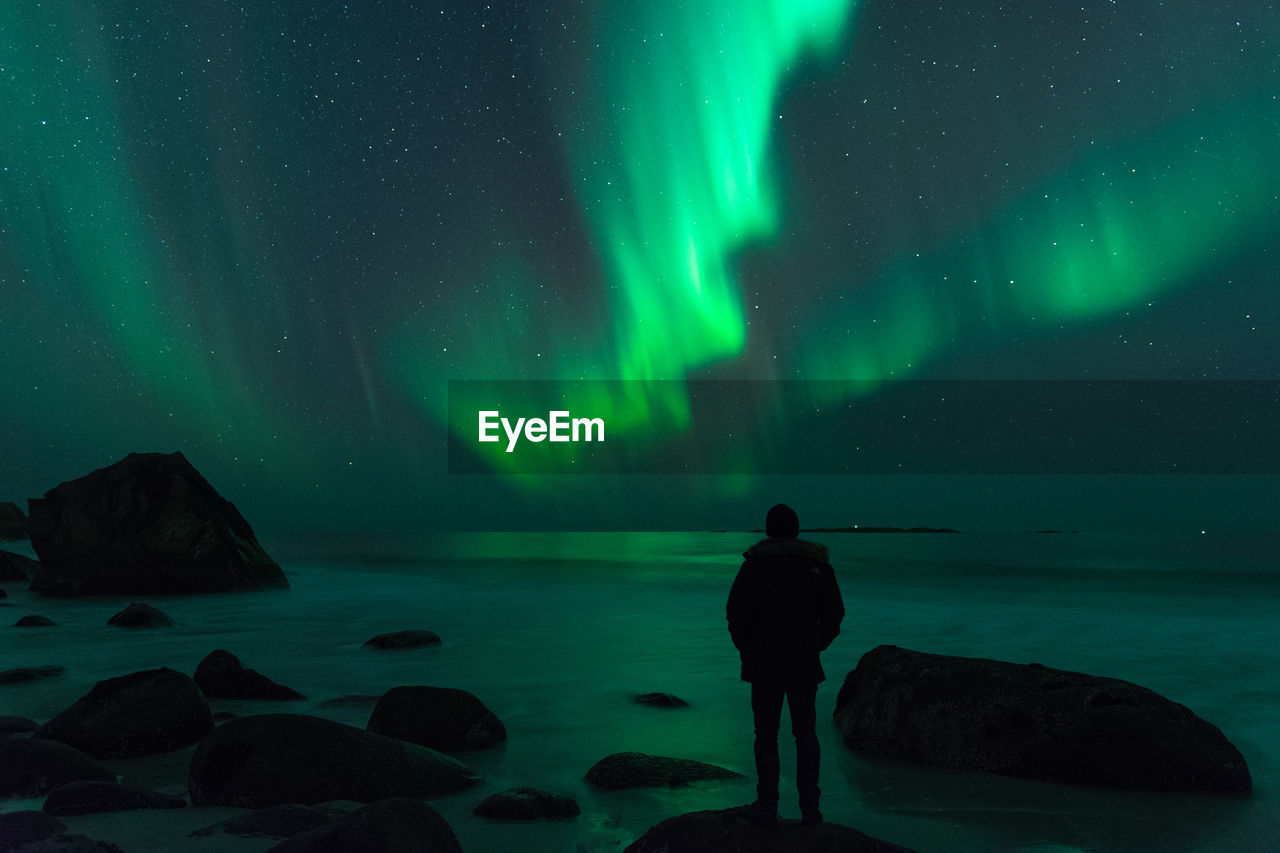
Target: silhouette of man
[(784, 608)]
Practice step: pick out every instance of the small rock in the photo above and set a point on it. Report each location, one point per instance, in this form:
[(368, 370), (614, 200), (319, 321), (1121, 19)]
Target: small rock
[(222, 675), (145, 713), (404, 640), (661, 700), (527, 804), (13, 522), (352, 700), (34, 621), (636, 769), (140, 615), (442, 718), (30, 767), (30, 673), (77, 798)]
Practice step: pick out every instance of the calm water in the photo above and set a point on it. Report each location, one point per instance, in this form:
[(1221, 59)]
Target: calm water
[(555, 632)]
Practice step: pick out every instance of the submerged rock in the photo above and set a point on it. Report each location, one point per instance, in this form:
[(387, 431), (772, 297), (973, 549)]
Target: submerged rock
[(404, 640), (527, 804), (147, 524), (660, 700), (140, 615), (441, 718), (145, 713), (77, 798), (636, 769), (15, 567), (222, 675), (394, 825), (34, 621), (14, 725), (30, 673), (728, 831), (30, 767), (1032, 722), (270, 759)]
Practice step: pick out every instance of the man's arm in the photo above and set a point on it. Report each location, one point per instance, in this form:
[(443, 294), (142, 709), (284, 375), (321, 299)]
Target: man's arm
[(830, 607), (741, 607)]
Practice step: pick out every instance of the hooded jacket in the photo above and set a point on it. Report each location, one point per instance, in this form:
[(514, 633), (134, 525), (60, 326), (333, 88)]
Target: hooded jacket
[(784, 608)]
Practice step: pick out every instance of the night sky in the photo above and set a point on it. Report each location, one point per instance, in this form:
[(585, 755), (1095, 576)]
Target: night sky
[(268, 234)]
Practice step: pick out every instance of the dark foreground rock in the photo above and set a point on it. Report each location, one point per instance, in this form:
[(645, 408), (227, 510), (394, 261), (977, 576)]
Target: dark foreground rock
[(282, 821), (527, 804), (397, 825), (77, 798), (726, 831), (23, 674), (1031, 722), (222, 675), (145, 525), (404, 640), (67, 844), (145, 713), (636, 769), (30, 767), (34, 621), (15, 567), (140, 615), (270, 759), (442, 718), (13, 522), (18, 828)]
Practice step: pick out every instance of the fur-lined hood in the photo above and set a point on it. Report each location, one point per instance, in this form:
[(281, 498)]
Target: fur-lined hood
[(768, 548)]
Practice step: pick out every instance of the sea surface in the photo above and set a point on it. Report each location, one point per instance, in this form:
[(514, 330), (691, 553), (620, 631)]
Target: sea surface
[(556, 632)]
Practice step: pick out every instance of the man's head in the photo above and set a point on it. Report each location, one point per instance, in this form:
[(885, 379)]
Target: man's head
[(782, 523)]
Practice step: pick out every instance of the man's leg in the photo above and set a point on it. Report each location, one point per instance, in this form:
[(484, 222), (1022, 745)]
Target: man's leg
[(766, 704), (804, 720)]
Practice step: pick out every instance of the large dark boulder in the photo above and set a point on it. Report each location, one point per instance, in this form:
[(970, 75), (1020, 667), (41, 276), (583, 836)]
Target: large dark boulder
[(78, 798), (526, 804), (1032, 722), (397, 825), (13, 522), (442, 718), (269, 759), (727, 831), (145, 713), (15, 567), (636, 769), (68, 844), (148, 524), (30, 767), (222, 675)]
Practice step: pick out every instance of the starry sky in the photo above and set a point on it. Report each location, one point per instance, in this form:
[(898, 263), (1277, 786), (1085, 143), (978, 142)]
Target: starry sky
[(268, 235)]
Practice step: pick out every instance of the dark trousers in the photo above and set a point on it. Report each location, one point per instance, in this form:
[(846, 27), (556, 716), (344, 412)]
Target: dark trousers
[(766, 703)]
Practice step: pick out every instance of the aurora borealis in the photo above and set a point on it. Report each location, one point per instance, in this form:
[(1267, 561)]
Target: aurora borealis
[(268, 237)]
